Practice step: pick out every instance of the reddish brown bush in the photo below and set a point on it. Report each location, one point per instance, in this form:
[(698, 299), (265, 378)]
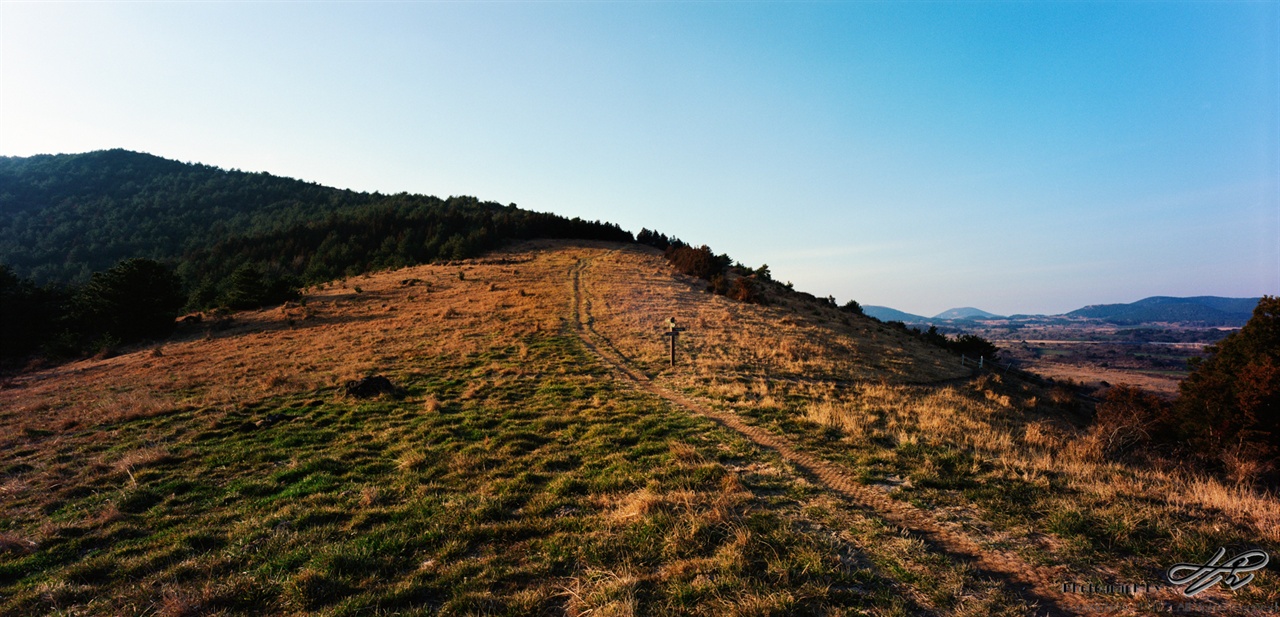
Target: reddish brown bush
[(743, 289), (1130, 421), (699, 262)]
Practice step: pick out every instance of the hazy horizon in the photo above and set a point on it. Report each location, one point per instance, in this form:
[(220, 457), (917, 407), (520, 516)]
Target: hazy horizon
[(1010, 157)]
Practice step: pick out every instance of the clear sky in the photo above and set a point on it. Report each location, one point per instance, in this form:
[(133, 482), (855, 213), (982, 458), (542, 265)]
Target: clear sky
[(1016, 157)]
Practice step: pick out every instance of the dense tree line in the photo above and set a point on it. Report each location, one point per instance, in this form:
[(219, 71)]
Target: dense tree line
[(136, 299), (27, 314), (64, 217), (398, 231), (1226, 417)]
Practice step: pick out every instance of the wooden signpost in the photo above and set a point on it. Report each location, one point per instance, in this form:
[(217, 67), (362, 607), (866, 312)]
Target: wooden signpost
[(673, 332)]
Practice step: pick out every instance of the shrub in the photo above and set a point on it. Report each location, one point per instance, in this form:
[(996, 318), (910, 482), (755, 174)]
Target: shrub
[(1129, 419), (743, 289), (699, 262), (719, 285), (974, 346), (936, 338), (1228, 408), (250, 288)]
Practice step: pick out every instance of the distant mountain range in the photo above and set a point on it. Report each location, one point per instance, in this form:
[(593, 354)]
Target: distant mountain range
[(884, 313), (1207, 311)]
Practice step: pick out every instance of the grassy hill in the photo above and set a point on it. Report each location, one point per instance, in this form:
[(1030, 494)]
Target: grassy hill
[(544, 458), (207, 238)]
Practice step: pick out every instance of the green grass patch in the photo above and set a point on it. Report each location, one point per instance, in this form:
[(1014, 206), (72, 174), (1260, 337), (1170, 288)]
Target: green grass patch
[(519, 487)]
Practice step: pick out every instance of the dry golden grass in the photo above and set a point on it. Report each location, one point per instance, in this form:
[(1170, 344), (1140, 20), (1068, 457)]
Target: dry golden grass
[(856, 375), (335, 335), (877, 389), (602, 593), (1019, 441), (13, 543), (632, 291)]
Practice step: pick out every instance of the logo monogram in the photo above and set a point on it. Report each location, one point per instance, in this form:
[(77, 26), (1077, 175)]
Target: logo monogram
[(1199, 577)]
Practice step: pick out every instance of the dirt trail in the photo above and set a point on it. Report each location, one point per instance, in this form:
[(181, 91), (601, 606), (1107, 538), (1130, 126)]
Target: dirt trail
[(1039, 588)]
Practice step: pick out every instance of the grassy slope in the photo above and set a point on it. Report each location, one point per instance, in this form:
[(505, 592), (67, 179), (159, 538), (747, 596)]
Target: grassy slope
[(224, 473), (1000, 460)]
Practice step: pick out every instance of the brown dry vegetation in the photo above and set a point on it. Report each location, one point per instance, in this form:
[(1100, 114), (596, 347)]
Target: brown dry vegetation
[(868, 380), (1000, 462), (1009, 460), (339, 334), (631, 293)]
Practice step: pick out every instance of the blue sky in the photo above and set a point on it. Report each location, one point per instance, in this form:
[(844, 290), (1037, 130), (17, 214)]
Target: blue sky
[(1017, 157)]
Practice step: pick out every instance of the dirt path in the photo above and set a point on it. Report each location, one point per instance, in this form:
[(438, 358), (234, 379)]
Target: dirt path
[(1042, 590)]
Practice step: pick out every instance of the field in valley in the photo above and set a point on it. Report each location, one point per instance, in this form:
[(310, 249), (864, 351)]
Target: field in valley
[(1097, 355), (544, 458), (1155, 367)]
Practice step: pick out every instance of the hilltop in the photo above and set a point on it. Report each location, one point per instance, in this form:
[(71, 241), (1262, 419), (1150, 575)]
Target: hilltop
[(92, 244), (113, 204), (64, 217), (967, 312), (542, 457)]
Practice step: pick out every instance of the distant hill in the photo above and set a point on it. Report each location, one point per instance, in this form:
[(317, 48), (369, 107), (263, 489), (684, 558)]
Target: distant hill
[(1203, 310), (967, 312), (884, 313), (63, 217)]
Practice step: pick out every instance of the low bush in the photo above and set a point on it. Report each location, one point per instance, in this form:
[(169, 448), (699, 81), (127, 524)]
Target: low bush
[(1130, 422)]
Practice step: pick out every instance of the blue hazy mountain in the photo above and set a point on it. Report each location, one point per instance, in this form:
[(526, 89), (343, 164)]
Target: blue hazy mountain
[(1205, 310), (966, 312), (884, 313)]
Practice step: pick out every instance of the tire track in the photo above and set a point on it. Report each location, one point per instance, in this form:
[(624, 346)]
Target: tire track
[(1037, 587)]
